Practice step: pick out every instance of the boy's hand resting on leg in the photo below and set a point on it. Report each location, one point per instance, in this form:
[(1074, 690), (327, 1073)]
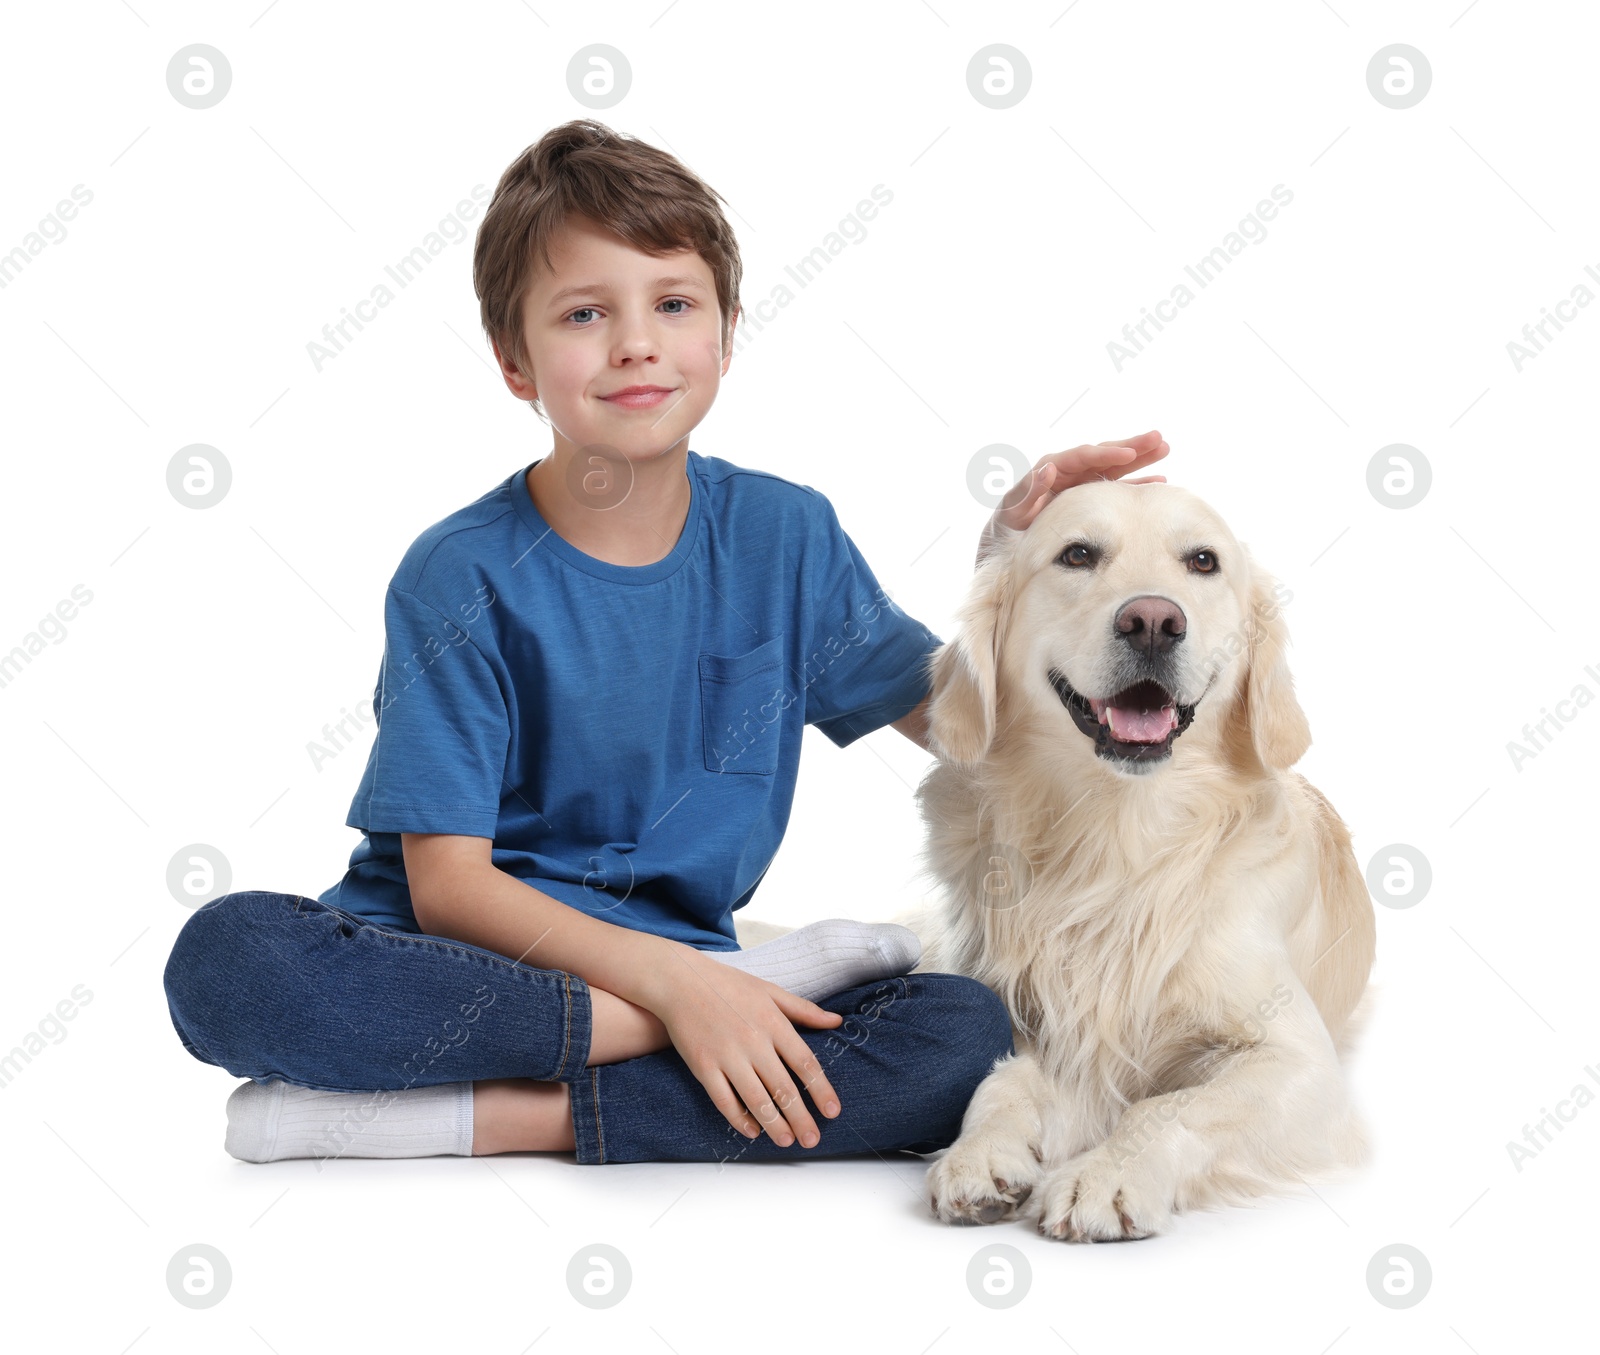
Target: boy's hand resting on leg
[(736, 1033)]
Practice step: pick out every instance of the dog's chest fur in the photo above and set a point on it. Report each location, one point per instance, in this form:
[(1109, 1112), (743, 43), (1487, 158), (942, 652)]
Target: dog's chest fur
[(1107, 952)]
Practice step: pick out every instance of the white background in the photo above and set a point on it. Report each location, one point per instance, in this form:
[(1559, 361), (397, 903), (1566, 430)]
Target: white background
[(177, 706)]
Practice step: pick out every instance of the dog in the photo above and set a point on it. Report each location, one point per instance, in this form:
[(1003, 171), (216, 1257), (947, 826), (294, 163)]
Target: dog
[(1174, 918)]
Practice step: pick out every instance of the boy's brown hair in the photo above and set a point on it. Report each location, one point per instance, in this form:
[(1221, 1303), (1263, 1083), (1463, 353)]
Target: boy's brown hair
[(643, 195)]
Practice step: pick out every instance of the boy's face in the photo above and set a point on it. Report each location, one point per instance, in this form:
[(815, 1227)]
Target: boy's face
[(608, 317)]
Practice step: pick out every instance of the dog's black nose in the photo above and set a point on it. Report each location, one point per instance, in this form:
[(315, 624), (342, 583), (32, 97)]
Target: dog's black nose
[(1152, 625)]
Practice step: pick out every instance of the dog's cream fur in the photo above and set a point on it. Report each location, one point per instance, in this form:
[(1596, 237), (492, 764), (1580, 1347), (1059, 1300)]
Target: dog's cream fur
[(1182, 950)]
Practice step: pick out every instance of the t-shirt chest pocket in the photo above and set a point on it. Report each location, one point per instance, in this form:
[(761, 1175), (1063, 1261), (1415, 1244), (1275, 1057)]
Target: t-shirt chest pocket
[(742, 700)]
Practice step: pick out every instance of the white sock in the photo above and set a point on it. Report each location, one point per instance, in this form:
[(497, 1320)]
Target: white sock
[(824, 958), (272, 1120)]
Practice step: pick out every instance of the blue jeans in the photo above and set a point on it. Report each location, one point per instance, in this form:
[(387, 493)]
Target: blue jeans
[(275, 986)]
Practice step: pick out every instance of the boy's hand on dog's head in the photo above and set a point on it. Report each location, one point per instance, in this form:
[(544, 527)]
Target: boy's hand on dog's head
[(1059, 471)]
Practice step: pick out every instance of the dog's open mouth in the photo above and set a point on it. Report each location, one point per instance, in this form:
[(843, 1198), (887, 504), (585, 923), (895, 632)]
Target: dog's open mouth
[(1137, 724)]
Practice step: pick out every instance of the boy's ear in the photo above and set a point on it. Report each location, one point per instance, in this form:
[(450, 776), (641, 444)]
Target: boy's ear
[(1276, 724), (961, 717), (518, 382)]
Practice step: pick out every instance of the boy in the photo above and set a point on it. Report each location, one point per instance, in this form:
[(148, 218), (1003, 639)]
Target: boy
[(595, 682)]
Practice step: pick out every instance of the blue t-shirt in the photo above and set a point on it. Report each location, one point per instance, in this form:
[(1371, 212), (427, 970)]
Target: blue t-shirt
[(628, 736)]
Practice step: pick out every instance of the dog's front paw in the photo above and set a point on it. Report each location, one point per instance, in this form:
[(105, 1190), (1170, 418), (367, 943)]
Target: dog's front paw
[(1094, 1197), (982, 1178)]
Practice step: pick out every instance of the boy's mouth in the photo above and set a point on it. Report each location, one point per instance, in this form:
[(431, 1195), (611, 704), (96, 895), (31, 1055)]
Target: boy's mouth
[(638, 397)]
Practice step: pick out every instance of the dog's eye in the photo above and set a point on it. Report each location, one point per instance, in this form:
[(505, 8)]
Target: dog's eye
[(1203, 562), (1078, 556)]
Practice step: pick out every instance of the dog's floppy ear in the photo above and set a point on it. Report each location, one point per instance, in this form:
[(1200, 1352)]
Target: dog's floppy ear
[(1277, 726), (962, 715)]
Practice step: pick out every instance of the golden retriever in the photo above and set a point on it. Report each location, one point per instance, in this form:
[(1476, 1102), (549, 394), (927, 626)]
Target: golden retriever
[(1174, 918)]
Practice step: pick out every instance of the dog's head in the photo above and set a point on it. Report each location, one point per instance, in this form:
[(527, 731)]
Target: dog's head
[(1123, 616)]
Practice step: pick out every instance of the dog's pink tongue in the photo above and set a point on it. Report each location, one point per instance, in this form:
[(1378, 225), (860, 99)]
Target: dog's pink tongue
[(1141, 726)]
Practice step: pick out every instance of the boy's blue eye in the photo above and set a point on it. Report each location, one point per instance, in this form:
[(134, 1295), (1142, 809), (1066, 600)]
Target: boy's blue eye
[(581, 309)]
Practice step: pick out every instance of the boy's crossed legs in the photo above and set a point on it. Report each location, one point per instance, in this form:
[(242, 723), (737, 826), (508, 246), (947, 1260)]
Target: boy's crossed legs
[(492, 1112)]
